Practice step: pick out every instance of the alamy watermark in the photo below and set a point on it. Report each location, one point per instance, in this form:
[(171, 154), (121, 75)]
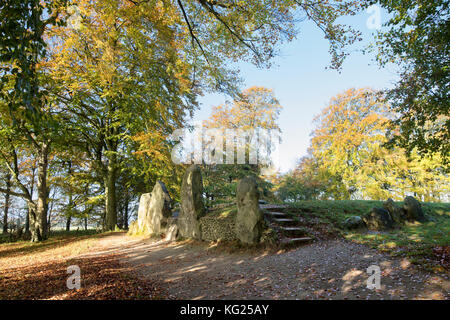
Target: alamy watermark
[(74, 19), (226, 146), (74, 280), (374, 20), (374, 280)]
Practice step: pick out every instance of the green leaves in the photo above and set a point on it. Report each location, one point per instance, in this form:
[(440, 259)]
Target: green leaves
[(417, 39)]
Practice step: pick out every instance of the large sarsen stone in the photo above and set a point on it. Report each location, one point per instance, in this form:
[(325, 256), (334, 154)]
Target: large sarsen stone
[(413, 209), (378, 219), (154, 210), (249, 218), (192, 207)]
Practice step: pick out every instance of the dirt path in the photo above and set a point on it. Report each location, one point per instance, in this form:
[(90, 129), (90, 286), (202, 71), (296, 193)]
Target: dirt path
[(325, 270)]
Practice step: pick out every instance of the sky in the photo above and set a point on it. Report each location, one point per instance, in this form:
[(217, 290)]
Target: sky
[(304, 86)]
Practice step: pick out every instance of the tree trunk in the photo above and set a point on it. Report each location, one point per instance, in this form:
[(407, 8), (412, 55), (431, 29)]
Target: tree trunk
[(120, 216), (27, 219), (125, 213), (110, 196), (38, 218), (7, 197), (35, 233), (49, 220), (69, 219), (85, 223)]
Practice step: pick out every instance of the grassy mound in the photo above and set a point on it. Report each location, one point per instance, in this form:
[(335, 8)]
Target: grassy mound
[(425, 243)]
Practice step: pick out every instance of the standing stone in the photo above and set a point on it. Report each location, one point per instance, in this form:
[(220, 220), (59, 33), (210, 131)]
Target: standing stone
[(397, 213), (355, 222), (154, 210), (133, 228), (249, 218), (413, 209), (378, 219), (191, 208), (159, 209), (144, 204), (172, 232)]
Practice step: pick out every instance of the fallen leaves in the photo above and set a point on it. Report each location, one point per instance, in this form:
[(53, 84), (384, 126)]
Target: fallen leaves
[(102, 277), (442, 254)]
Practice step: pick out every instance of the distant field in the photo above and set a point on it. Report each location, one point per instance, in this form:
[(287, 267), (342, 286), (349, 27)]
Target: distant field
[(56, 235)]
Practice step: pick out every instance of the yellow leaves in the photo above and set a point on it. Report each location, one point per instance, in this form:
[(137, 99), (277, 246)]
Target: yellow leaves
[(257, 108), (348, 145), (152, 144)]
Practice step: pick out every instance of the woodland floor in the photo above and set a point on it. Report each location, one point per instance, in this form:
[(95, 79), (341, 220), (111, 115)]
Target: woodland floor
[(334, 269), (117, 266)]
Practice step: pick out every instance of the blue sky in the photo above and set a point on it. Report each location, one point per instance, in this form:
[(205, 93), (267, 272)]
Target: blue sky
[(304, 86)]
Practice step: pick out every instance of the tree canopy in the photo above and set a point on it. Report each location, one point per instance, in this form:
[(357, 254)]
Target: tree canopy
[(113, 79), (416, 39), (91, 92), (348, 158)]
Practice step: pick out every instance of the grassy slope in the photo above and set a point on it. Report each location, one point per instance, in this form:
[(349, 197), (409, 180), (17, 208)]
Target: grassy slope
[(424, 243)]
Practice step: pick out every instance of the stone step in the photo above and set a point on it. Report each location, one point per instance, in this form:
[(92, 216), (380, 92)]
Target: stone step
[(272, 206), (285, 221), (293, 231), (294, 241), (278, 215)]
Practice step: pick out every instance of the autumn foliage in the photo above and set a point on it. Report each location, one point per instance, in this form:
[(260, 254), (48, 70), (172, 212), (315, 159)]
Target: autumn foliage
[(349, 158)]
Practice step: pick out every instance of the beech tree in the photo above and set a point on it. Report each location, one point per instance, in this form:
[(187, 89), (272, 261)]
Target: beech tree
[(348, 146), (416, 39), (26, 113), (255, 109)]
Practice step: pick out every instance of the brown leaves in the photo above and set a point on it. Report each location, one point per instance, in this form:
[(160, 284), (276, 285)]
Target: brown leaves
[(442, 254), (102, 277)]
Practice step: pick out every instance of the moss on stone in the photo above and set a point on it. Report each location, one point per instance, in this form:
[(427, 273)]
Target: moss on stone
[(134, 230)]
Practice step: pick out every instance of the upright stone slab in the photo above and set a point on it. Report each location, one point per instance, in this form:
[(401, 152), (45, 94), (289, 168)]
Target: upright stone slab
[(249, 218), (144, 205), (397, 213), (355, 222), (413, 209), (154, 210), (378, 219), (191, 208), (172, 232), (159, 209)]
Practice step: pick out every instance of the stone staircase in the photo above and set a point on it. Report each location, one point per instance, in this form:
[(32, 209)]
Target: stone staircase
[(290, 231)]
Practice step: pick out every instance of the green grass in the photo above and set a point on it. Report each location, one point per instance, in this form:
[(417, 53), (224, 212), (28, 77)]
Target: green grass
[(339, 210), (414, 240), (335, 212), (223, 213), (56, 236)]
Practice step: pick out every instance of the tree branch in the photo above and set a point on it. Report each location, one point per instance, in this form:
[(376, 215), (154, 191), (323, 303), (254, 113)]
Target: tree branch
[(12, 193), (15, 174), (191, 31), (209, 6)]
